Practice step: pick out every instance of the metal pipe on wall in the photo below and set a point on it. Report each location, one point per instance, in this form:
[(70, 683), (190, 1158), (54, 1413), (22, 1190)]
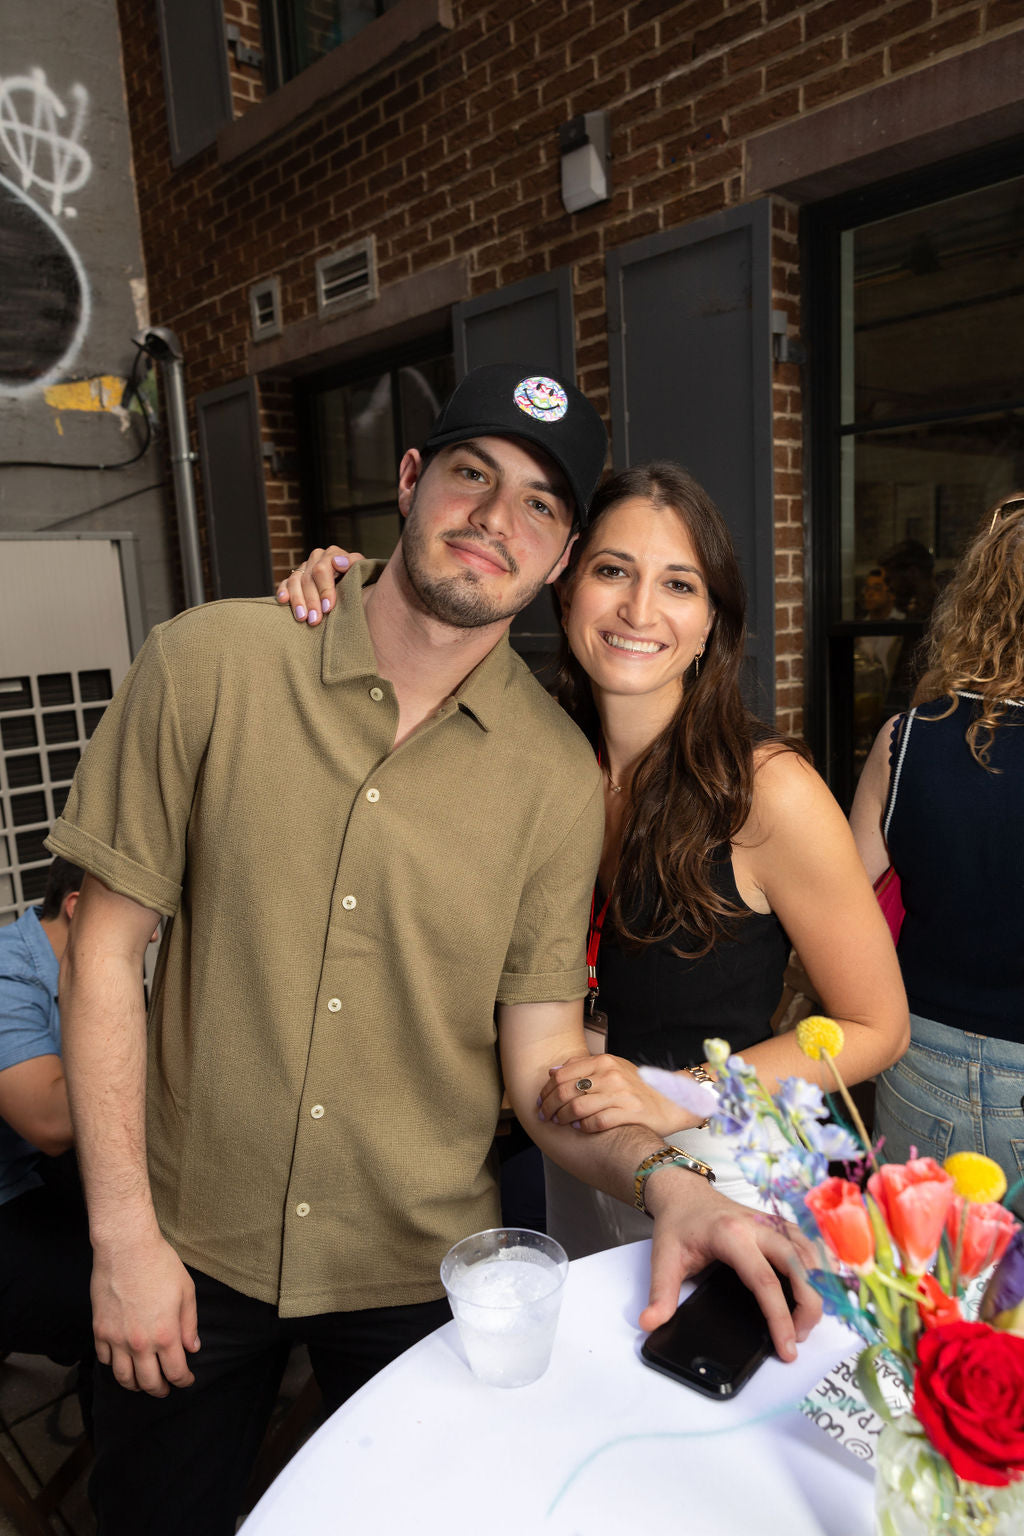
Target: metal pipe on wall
[(163, 346)]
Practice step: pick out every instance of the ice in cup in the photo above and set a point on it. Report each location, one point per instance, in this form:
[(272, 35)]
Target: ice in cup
[(505, 1288)]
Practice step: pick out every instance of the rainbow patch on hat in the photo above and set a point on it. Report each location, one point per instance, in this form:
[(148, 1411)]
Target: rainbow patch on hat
[(543, 399)]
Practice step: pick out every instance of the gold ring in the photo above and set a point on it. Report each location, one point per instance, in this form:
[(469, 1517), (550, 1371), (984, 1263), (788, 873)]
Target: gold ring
[(583, 1084)]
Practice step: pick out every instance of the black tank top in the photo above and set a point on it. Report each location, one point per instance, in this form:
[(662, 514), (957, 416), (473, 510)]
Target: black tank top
[(661, 1007), (956, 840)]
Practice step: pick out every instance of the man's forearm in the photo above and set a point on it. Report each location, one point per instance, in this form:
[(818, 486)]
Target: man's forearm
[(606, 1159), (104, 1041)]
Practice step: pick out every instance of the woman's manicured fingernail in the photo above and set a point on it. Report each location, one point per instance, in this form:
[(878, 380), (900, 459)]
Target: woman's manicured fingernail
[(575, 1125), (540, 1113), (341, 561), (282, 595), (326, 605), (300, 612), (314, 617)]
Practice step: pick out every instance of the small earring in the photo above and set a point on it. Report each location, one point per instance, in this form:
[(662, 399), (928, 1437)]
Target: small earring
[(696, 661)]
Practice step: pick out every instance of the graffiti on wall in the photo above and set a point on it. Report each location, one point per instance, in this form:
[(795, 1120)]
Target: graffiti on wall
[(44, 292)]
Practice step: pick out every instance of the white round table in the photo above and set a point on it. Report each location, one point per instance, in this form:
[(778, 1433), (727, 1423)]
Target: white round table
[(600, 1445)]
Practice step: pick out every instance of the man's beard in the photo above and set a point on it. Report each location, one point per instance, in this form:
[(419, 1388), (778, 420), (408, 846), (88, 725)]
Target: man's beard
[(461, 600)]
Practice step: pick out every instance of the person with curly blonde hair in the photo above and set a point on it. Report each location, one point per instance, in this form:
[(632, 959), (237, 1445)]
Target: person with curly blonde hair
[(941, 798)]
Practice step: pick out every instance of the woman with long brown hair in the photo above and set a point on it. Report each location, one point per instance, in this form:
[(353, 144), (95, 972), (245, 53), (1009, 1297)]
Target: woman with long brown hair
[(942, 798), (722, 845)]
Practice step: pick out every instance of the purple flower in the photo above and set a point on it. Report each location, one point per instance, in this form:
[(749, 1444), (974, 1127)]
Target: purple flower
[(834, 1143), (682, 1089), (1003, 1302), (801, 1100)]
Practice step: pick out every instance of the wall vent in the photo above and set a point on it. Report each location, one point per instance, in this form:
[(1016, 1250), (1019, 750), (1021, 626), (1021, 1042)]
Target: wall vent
[(265, 308), (347, 278)]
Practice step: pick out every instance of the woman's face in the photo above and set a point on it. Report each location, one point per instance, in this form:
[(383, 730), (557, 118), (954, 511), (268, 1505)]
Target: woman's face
[(638, 611)]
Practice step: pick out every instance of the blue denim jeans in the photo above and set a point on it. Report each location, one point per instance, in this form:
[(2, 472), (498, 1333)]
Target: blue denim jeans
[(955, 1092)]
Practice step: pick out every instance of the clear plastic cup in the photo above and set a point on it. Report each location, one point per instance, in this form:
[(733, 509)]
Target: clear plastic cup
[(505, 1288)]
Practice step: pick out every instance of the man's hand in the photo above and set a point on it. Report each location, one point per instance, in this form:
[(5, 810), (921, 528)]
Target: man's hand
[(694, 1224), (144, 1316)]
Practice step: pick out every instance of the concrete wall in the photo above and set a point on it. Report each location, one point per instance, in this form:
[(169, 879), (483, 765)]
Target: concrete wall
[(72, 290)]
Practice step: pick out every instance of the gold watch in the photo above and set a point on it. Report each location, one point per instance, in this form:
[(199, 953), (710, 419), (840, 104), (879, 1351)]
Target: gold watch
[(662, 1159)]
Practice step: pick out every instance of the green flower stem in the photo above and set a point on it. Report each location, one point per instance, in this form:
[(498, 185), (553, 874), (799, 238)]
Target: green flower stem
[(854, 1112)]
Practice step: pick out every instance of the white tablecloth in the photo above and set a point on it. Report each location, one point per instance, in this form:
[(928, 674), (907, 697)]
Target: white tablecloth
[(601, 1446)]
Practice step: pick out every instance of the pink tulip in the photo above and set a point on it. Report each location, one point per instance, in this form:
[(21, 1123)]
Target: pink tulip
[(838, 1208), (914, 1199), (987, 1230)]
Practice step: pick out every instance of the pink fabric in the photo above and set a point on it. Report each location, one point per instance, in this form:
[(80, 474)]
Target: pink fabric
[(890, 899)]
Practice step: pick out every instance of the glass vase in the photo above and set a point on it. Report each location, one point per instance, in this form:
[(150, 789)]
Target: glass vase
[(917, 1493)]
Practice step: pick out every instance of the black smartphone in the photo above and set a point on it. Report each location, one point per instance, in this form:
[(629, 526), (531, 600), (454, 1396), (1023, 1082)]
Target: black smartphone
[(717, 1338)]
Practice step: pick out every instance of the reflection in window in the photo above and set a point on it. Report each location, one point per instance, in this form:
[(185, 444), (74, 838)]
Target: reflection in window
[(362, 426), (932, 386), (297, 33)]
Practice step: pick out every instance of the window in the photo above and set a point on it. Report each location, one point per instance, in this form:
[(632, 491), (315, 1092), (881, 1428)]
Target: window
[(361, 422), (918, 426), (298, 32)]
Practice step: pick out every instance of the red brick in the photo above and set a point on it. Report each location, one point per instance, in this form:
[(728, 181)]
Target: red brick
[(895, 21), (774, 109), (843, 82), (915, 50), (734, 24), (822, 55)]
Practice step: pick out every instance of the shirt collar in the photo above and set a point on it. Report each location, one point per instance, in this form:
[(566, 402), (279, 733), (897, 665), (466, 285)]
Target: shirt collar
[(348, 650)]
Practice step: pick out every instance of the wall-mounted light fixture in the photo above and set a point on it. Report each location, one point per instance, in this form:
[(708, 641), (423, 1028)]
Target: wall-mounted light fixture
[(784, 348), (584, 145)]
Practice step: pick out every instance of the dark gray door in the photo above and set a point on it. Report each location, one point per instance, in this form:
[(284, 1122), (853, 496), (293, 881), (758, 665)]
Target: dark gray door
[(529, 323), (196, 86), (234, 492), (691, 379)]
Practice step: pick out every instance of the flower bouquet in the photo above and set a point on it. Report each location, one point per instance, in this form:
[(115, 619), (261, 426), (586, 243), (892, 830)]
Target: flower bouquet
[(900, 1244)]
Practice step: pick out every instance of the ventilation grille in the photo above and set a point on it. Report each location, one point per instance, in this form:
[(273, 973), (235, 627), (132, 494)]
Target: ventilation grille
[(347, 278), (265, 308)]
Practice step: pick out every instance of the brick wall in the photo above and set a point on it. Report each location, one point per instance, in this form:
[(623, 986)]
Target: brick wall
[(452, 151)]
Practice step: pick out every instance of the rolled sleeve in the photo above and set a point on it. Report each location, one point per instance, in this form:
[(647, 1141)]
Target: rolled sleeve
[(126, 817), (546, 959)]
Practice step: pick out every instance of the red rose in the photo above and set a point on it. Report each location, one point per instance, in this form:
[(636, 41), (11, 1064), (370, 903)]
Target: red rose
[(969, 1396)]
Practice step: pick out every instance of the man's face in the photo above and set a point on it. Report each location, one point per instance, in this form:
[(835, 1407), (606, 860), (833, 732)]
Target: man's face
[(877, 596), (488, 524)]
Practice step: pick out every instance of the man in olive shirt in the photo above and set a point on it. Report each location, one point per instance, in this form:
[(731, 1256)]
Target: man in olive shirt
[(364, 840)]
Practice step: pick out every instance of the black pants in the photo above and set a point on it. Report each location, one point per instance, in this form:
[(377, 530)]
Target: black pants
[(45, 1266), (178, 1465)]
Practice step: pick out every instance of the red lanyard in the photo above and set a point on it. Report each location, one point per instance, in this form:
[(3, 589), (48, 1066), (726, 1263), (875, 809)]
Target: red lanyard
[(593, 946)]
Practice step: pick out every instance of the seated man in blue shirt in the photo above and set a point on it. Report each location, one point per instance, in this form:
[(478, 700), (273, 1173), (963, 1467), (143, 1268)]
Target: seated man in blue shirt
[(45, 1257)]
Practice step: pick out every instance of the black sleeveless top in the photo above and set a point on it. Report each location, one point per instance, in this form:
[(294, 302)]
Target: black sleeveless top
[(956, 840), (661, 1007)]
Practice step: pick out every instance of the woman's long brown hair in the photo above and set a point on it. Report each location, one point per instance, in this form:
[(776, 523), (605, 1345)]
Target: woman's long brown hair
[(976, 640), (693, 787)]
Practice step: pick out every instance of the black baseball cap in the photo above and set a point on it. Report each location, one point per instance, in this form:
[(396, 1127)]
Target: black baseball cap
[(514, 400)]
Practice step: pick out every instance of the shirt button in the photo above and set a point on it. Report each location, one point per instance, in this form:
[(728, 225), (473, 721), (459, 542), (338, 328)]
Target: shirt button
[(376, 694), (348, 902), (373, 795), (317, 1111), (302, 1209), (334, 1005)]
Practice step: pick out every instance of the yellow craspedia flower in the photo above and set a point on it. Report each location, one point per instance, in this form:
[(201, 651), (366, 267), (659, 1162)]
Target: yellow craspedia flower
[(818, 1036), (976, 1177)]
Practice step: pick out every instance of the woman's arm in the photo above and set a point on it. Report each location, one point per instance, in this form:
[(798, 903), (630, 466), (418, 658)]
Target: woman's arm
[(799, 852), (869, 805)]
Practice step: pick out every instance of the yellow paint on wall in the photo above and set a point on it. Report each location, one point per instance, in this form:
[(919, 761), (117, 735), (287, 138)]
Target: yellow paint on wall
[(103, 393)]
